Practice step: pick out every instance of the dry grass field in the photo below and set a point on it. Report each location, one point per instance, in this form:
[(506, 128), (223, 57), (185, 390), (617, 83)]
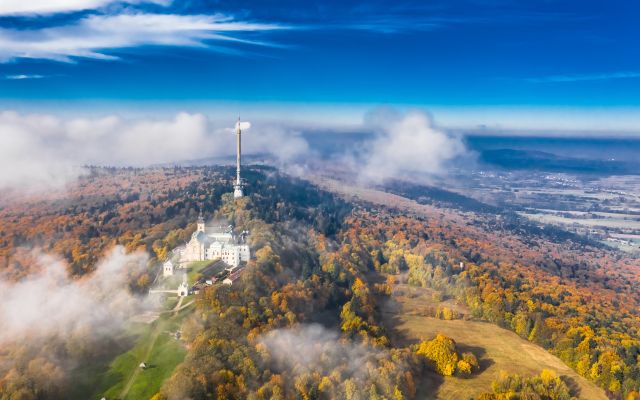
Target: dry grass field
[(497, 349)]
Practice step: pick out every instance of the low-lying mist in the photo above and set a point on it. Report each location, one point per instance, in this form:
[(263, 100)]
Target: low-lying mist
[(307, 348), (313, 349), (45, 151), (50, 303), (53, 325)]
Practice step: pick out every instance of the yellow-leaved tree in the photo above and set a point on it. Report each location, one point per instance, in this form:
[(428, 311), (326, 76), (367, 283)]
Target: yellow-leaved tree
[(440, 353)]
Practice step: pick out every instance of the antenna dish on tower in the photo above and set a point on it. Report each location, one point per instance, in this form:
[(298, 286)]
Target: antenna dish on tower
[(243, 125)]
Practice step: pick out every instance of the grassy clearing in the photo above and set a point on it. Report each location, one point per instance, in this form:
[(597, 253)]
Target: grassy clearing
[(164, 354), (87, 378), (123, 365), (154, 346), (170, 302), (497, 349)]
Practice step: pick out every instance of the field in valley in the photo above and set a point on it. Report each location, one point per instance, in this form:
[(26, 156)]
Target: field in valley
[(606, 220)]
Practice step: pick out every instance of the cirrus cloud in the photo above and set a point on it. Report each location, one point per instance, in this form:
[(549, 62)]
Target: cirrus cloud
[(21, 7), (96, 36), (21, 77), (586, 77)]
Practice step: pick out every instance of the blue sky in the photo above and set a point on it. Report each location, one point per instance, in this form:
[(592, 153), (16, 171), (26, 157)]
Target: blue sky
[(443, 55)]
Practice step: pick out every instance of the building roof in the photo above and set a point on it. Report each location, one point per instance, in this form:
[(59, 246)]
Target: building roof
[(209, 237), (199, 236)]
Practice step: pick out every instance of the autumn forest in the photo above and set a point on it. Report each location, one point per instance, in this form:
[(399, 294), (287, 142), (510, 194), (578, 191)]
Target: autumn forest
[(317, 312)]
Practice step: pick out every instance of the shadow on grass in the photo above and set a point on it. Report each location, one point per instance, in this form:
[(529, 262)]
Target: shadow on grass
[(573, 385), (480, 353), (428, 384), (390, 316), (96, 376), (389, 311)]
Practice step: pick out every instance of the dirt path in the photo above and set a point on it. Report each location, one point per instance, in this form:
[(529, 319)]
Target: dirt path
[(154, 337), (184, 306), (177, 307)]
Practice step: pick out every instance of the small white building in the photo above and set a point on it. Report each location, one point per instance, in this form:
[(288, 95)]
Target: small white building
[(183, 289), (168, 268)]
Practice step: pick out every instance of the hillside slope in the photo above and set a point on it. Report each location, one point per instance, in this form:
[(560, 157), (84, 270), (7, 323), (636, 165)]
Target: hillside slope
[(498, 349)]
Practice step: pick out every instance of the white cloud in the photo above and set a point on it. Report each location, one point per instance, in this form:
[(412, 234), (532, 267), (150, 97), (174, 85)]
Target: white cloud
[(42, 7), (22, 77), (285, 144), (49, 303), (585, 77), (41, 151), (405, 145), (93, 36)]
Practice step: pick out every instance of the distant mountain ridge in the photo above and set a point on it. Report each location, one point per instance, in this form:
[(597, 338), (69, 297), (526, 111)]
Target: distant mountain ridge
[(544, 161)]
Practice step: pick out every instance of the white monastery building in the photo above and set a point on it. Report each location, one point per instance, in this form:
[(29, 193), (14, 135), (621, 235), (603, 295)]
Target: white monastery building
[(215, 242)]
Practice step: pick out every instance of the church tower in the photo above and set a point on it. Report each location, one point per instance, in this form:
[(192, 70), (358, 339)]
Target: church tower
[(200, 224)]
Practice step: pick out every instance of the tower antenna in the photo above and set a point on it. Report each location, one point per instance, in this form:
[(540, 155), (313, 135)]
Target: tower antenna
[(237, 187)]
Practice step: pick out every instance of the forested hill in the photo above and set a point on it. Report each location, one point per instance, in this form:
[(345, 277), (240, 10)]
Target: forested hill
[(305, 318), (150, 209)]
